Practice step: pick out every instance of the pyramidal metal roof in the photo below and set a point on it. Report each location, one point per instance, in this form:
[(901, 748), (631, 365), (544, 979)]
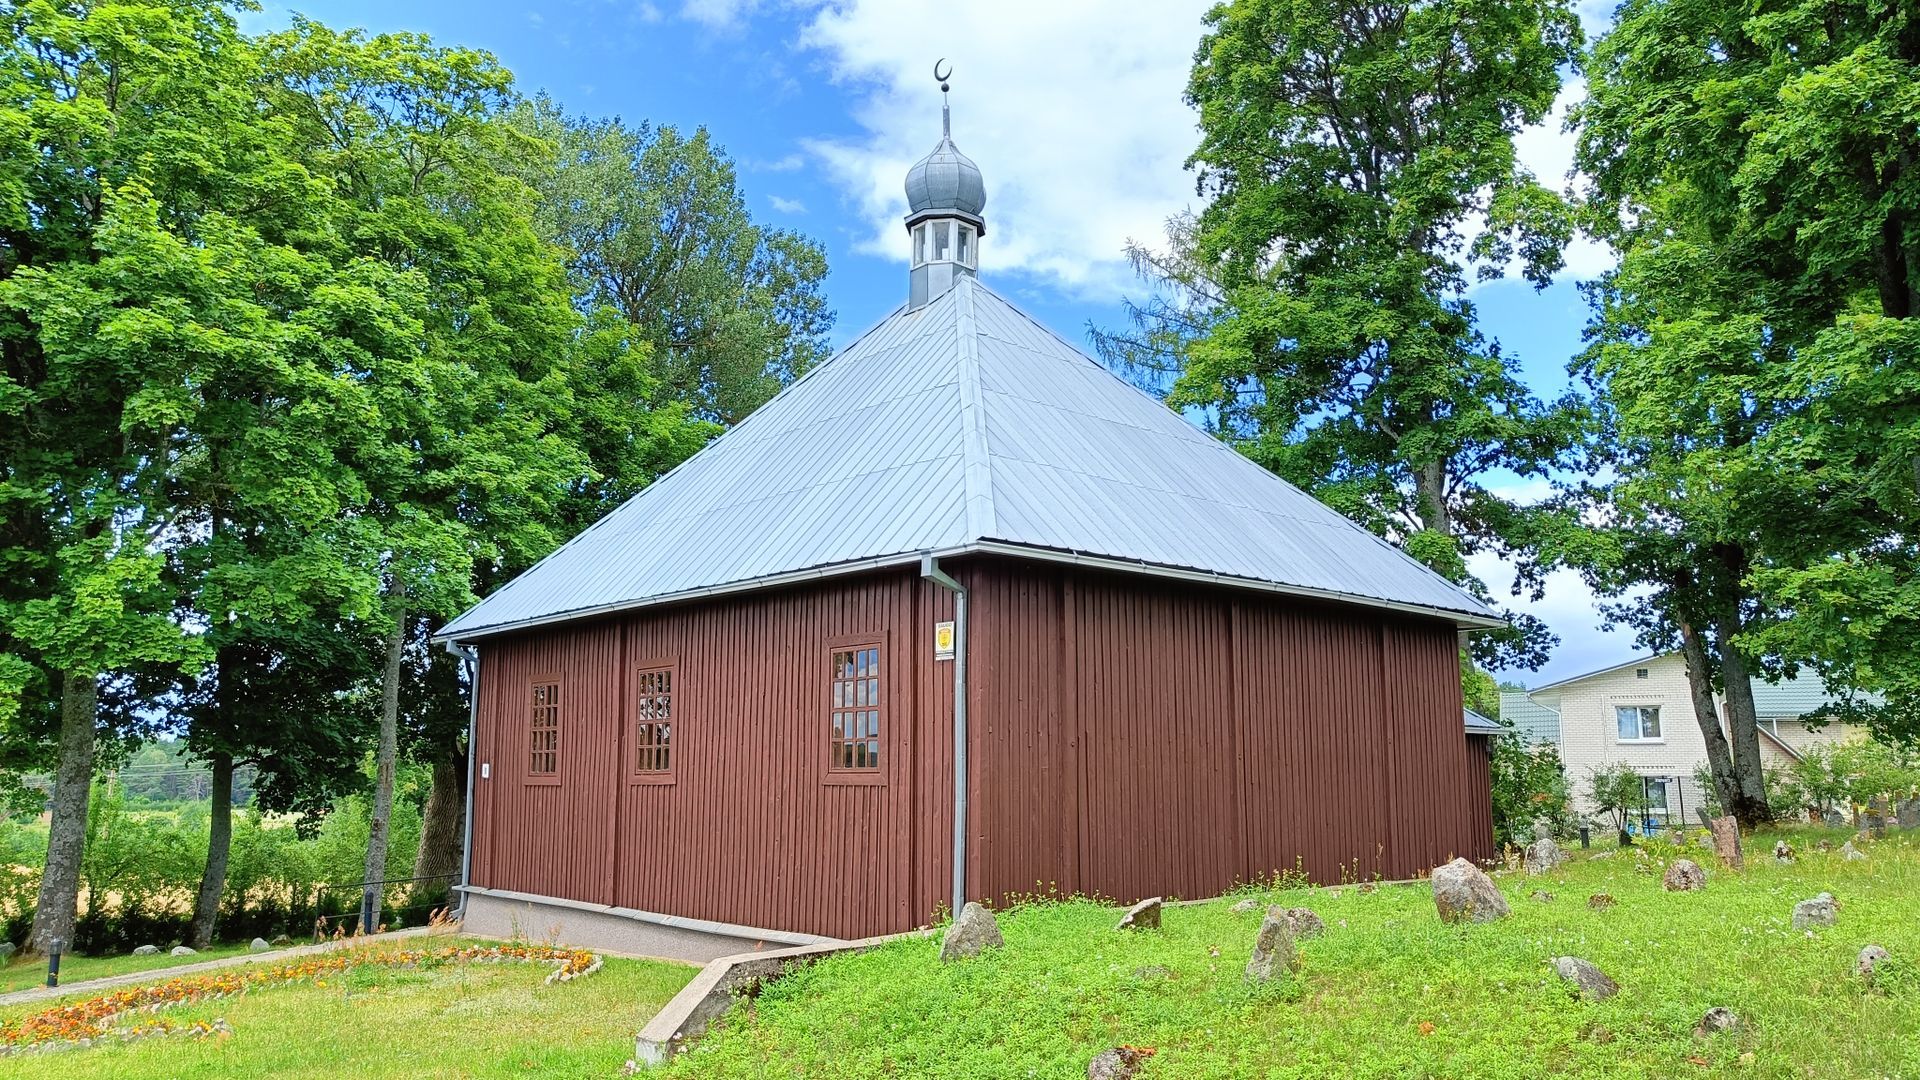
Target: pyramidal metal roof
[(962, 426)]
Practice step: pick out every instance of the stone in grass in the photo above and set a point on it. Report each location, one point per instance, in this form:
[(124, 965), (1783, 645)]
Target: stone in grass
[(183, 950), (7, 949), (1591, 982), (258, 944), (1303, 923), (1543, 856), (281, 941), (1716, 1020), (1600, 901), (1819, 911), (1851, 853), (1273, 953), (1542, 828), (1463, 893), (1247, 907), (1543, 896), (1119, 1063), (1144, 915), (1782, 851), (147, 950), (1684, 875), (973, 932), (1870, 958)]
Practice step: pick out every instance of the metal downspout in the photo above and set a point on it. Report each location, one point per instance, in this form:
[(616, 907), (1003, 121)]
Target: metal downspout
[(930, 570), (471, 657)]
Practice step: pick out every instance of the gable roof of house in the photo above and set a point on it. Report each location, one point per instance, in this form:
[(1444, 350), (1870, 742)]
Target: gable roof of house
[(1479, 724), (1530, 719), (962, 426), (1793, 696)]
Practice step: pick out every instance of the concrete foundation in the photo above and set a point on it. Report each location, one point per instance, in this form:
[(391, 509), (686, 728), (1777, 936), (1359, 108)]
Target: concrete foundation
[(501, 914)]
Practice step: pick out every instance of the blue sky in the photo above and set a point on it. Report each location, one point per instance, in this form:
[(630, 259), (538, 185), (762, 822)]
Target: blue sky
[(1072, 109)]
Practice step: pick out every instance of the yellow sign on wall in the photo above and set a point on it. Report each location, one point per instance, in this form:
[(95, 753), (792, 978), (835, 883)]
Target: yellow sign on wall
[(943, 641)]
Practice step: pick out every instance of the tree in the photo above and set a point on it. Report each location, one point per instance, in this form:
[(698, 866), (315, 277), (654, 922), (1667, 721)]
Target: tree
[(656, 230), (1754, 349), (1618, 791), (1528, 783), (1360, 163)]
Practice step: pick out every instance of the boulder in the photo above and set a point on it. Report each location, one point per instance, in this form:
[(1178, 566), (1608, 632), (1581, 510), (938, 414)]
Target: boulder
[(1600, 901), (1782, 851), (1877, 817), (258, 944), (1819, 911), (183, 950), (1247, 907), (973, 932), (1851, 853), (1869, 959), (1543, 855), (1144, 915), (147, 950), (1119, 1063), (1463, 893), (1718, 1019), (281, 941), (1303, 923), (1542, 896), (1726, 842), (1273, 953), (1684, 875), (1833, 819), (1591, 982)]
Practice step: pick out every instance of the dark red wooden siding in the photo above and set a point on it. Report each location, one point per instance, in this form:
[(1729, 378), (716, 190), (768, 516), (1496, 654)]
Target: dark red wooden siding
[(1128, 738)]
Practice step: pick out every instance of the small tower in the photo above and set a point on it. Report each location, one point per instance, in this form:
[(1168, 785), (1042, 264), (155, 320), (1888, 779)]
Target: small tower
[(944, 198)]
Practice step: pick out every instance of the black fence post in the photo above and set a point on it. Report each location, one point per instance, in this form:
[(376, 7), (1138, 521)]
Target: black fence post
[(369, 908), (53, 962)]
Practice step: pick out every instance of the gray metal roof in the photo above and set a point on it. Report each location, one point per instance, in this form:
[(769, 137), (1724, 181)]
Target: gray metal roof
[(1483, 725), (962, 425), (946, 179), (1534, 722)]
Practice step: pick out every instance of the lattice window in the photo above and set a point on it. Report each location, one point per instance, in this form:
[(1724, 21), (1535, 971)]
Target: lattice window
[(653, 722), (544, 729), (855, 735)]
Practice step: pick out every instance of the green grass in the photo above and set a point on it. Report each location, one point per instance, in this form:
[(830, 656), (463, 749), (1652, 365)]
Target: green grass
[(21, 973), (480, 1020), (1066, 987)]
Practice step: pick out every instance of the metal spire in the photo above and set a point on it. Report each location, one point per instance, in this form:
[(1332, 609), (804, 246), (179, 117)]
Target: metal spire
[(946, 118)]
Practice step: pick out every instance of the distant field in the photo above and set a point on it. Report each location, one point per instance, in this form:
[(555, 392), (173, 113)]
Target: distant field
[(1389, 991)]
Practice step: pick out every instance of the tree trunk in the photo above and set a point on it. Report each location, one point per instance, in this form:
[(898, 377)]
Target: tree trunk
[(1743, 729), (1706, 712), (67, 835), (383, 758), (441, 826), (213, 879), (1431, 489)]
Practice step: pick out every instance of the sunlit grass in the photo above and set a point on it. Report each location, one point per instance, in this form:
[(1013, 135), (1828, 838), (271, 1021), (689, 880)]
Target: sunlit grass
[(22, 973), (1389, 991), (452, 1020)]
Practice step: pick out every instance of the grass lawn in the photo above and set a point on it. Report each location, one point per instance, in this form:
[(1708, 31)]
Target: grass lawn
[(24, 974), (1389, 991), (479, 1020)]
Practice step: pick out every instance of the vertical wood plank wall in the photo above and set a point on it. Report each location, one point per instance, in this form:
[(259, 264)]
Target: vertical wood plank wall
[(1127, 738)]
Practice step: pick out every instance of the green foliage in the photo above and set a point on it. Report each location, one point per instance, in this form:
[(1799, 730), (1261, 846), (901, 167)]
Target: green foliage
[(1618, 791), (1360, 167), (1478, 689), (1528, 783)]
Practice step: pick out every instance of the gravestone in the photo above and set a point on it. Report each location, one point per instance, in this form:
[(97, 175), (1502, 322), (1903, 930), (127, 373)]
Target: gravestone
[(1909, 812), (1834, 819), (1726, 842), (1819, 911), (1302, 923), (973, 932), (1877, 817), (1782, 851), (1592, 983), (1684, 875), (1273, 953), (1870, 958), (1543, 855)]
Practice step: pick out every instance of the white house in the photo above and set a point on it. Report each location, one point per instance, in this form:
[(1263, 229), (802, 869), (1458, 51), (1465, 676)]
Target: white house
[(1640, 714)]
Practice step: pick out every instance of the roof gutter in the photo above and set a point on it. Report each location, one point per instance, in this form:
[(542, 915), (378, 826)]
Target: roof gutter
[(1463, 619), (930, 570)]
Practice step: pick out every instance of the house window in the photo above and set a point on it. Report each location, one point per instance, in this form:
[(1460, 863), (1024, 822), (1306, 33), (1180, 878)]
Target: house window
[(1640, 673), (854, 735), (653, 723), (543, 726), (1638, 723)]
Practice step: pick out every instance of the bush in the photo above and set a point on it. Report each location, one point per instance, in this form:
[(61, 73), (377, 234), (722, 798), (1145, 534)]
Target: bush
[(1528, 784), (1619, 791)]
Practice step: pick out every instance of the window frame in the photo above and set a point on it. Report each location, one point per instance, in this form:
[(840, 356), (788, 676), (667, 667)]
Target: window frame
[(655, 777), (870, 776), (527, 775), (1640, 725)]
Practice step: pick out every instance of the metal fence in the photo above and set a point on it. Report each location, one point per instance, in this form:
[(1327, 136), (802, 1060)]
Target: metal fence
[(389, 904)]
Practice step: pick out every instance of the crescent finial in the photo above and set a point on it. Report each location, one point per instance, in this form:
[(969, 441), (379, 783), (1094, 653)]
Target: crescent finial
[(942, 78)]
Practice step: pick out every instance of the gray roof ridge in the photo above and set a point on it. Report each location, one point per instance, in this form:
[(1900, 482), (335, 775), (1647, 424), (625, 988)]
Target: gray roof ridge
[(976, 468)]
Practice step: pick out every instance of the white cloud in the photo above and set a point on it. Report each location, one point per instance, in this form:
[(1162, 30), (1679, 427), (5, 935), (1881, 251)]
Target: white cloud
[(1073, 112), (787, 206), (647, 13), (717, 14), (1546, 149)]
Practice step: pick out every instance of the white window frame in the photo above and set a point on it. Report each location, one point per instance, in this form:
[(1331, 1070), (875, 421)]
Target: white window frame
[(1640, 725)]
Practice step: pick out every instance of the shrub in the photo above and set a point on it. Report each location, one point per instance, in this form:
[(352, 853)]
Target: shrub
[(1528, 783), (1618, 791)]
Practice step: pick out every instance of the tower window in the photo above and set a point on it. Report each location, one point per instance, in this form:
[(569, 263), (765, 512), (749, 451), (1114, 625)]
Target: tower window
[(920, 244), (966, 246), (942, 241)]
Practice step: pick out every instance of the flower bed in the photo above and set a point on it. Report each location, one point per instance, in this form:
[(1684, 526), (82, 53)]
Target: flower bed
[(90, 1021)]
